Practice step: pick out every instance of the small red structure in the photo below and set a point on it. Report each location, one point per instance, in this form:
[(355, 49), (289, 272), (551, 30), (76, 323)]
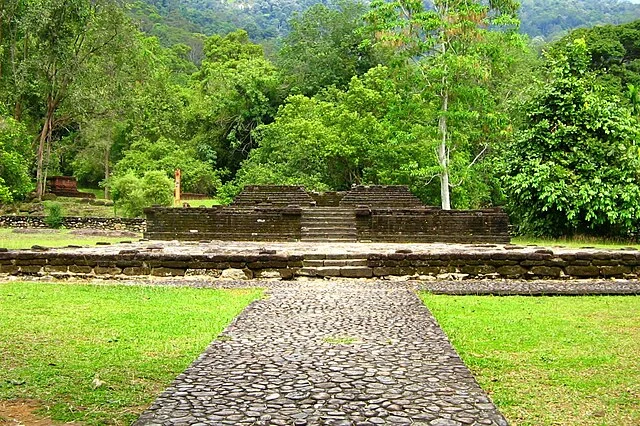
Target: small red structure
[(66, 186)]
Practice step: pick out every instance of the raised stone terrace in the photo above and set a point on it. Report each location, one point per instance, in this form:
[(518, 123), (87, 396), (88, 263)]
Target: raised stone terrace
[(364, 214)]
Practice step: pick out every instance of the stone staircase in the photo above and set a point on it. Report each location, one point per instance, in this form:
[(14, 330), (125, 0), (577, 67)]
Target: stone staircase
[(328, 224), (334, 265)]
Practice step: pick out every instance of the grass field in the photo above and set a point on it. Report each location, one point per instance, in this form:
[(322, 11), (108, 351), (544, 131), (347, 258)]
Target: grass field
[(575, 242), (553, 360), (52, 238), (59, 342)]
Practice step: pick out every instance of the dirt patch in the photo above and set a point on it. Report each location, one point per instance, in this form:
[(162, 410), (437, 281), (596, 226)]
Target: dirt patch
[(104, 233), (21, 412)]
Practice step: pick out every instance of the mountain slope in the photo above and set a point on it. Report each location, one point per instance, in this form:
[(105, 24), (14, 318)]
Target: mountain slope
[(173, 20)]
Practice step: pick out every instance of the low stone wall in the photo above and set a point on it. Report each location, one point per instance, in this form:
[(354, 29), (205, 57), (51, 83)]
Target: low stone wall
[(432, 225), (72, 222), (224, 223), (538, 264)]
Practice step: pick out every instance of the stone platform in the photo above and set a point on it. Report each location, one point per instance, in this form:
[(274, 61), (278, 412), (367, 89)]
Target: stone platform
[(246, 260)]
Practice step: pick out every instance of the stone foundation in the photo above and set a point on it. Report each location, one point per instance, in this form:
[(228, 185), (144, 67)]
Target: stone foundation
[(472, 263), (104, 223)]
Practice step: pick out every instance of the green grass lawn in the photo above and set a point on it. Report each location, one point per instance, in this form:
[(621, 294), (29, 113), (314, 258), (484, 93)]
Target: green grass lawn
[(55, 340), (575, 242), (202, 203), (550, 360), (57, 238)]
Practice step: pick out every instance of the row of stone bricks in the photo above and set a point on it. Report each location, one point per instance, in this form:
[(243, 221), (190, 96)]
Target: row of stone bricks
[(471, 265)]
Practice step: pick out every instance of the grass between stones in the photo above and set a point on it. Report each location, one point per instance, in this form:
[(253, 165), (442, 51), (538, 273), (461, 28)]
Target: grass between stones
[(550, 360), (52, 238), (101, 354)]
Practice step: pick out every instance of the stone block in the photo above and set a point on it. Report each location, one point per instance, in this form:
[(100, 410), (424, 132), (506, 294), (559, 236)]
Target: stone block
[(107, 270), (56, 268), (511, 271), (335, 262), (136, 270), (167, 272), (77, 269), (582, 271), (34, 269), (313, 263), (9, 269), (546, 271), (478, 269), (615, 271), (356, 272), (328, 271), (287, 274)]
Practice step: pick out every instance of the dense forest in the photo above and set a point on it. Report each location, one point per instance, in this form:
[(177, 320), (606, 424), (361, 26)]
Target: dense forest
[(449, 98), (178, 20)]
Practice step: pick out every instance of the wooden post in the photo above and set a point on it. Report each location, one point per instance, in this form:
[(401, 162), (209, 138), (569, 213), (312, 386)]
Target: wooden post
[(176, 191)]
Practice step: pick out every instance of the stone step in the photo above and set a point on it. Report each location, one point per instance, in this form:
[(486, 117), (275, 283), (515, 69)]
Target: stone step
[(334, 263), (336, 271)]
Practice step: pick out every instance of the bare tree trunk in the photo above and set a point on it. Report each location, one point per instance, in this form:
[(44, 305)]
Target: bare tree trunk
[(443, 155), (45, 136), (106, 171)]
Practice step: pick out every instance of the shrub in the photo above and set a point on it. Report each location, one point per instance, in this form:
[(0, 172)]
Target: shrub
[(53, 214), (132, 194)]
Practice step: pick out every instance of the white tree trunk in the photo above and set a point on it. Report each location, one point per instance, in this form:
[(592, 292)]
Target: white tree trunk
[(443, 154)]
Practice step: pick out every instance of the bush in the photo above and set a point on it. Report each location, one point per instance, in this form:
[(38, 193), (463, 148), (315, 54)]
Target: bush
[(132, 194), (53, 214)]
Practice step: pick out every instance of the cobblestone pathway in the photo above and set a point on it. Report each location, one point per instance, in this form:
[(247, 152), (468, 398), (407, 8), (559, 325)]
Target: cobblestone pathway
[(333, 353)]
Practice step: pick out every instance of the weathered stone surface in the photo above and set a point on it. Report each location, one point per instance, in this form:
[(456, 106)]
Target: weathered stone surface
[(338, 352), (356, 272), (583, 271), (168, 272), (234, 274), (511, 271), (546, 271)]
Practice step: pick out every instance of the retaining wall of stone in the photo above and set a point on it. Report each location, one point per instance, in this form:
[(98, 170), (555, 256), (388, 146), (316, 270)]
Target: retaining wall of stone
[(429, 225), (72, 222), (126, 263), (224, 223)]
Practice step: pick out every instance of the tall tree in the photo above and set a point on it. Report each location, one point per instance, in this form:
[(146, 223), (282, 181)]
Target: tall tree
[(574, 168), (451, 49), (66, 35), (325, 48)]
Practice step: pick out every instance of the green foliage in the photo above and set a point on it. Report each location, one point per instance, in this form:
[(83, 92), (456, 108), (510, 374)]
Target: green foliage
[(157, 188), (575, 166), (132, 195), (53, 214), (15, 182), (325, 48), (237, 90), (144, 156)]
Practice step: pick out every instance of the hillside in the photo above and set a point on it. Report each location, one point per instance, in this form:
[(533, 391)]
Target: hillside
[(174, 21)]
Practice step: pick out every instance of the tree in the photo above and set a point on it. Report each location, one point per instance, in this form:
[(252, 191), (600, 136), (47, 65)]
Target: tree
[(453, 55), (15, 182), (324, 47), (59, 38), (238, 89), (575, 166)]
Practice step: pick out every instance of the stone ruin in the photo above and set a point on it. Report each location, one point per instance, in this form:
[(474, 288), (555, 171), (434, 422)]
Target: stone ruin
[(363, 214), (66, 186)]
